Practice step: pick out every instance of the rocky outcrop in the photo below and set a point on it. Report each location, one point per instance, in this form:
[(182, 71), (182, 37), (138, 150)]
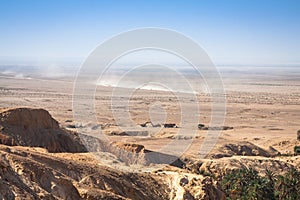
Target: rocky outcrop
[(129, 153), (36, 128), (224, 128), (217, 168), (29, 118), (29, 173), (130, 147), (241, 149), (137, 154), (170, 125), (192, 186)]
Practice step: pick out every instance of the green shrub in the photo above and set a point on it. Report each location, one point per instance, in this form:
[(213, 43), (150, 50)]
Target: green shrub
[(288, 186), (297, 150), (248, 184)]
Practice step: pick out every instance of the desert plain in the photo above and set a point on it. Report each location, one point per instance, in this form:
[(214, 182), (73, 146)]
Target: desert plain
[(262, 119)]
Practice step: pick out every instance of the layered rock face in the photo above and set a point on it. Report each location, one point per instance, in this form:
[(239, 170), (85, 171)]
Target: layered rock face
[(31, 173), (41, 160), (29, 118), (36, 128)]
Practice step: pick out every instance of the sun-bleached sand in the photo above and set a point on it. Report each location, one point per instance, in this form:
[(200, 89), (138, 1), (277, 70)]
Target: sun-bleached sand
[(261, 122)]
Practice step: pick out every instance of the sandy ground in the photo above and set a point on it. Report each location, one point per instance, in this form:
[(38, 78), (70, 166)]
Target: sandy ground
[(262, 109)]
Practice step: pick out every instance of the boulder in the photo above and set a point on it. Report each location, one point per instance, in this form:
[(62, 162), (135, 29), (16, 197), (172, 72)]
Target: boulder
[(170, 125)]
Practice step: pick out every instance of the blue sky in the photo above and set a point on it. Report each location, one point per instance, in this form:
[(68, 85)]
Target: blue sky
[(258, 32)]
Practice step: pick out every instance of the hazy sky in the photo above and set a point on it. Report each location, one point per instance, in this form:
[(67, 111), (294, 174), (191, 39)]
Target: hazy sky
[(231, 31)]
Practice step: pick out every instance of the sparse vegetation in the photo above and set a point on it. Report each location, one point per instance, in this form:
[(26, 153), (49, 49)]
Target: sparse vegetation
[(297, 150), (248, 184)]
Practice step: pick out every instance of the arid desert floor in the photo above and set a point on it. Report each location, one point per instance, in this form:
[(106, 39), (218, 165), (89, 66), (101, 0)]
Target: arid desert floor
[(262, 116)]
